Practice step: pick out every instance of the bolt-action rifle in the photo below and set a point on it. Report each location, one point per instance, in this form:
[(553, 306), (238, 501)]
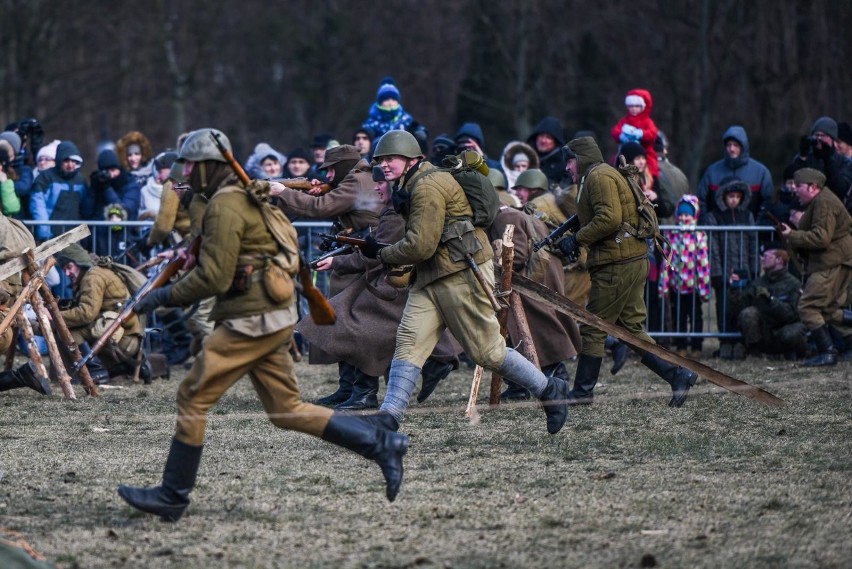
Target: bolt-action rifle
[(571, 224), (302, 184)]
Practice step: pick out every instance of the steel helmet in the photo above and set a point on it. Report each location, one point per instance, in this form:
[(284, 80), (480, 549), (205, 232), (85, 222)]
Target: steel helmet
[(533, 179), (398, 143), (498, 180), (200, 146)]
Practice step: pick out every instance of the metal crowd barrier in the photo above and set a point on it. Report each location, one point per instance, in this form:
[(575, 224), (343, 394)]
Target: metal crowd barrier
[(118, 239)]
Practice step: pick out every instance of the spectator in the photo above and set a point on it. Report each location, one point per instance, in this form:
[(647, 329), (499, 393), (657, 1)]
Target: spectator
[(46, 157), (298, 164), (731, 252), (61, 193), (823, 236), (9, 199), (736, 164), (766, 308), (321, 143), (548, 138), (688, 275), (386, 113), (117, 195), (782, 200), (152, 191), (637, 126), (843, 142), (22, 178), (265, 162), (442, 146), (469, 137), (136, 156), (672, 179), (518, 157), (817, 151), (362, 139)]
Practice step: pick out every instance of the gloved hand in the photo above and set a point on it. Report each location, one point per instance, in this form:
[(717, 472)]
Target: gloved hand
[(154, 299), (633, 132), (570, 248), (823, 151), (371, 248), (624, 138)]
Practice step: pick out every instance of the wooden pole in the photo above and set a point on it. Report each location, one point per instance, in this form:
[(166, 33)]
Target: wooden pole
[(527, 346), (19, 302), (471, 412), (32, 346), (52, 349), (45, 250), (73, 350), (507, 259)]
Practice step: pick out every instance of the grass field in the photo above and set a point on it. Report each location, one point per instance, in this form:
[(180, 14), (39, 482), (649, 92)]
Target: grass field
[(629, 482)]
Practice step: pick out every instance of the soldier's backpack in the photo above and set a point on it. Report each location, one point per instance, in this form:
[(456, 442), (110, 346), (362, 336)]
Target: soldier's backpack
[(467, 170), (132, 279), (649, 225)]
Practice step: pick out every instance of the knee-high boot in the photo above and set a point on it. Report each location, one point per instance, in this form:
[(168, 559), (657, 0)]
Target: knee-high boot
[(24, 376), (171, 497), (345, 380), (680, 378), (585, 379), (365, 390), (372, 441), (433, 373), (551, 391)]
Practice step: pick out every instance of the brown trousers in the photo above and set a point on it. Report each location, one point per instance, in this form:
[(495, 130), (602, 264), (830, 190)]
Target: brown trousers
[(226, 357), (824, 297)]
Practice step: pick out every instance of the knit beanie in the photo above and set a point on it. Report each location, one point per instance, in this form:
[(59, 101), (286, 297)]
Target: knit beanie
[(631, 150), (13, 138), (76, 254), (48, 150), (685, 208), (827, 125), (388, 90), (299, 153), (108, 159)]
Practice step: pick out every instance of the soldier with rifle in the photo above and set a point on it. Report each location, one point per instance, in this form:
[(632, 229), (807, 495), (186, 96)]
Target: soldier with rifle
[(354, 205), (255, 314), (618, 265), (439, 239)]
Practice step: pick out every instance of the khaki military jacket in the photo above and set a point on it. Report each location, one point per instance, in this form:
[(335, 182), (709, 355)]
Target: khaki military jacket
[(823, 234), (435, 197), (233, 233), (604, 202), (97, 291), (353, 201)]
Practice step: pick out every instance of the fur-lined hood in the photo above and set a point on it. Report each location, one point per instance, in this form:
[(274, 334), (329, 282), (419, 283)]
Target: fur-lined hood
[(509, 152), (133, 137)]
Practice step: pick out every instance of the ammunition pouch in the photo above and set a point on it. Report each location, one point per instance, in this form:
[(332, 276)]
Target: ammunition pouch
[(399, 276), (459, 237), (277, 282)]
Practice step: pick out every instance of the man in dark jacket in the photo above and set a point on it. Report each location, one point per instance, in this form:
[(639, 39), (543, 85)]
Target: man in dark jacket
[(548, 138), (818, 151), (618, 265), (117, 195), (61, 193), (469, 137)]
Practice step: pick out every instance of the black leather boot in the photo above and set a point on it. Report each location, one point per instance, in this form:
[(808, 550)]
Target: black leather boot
[(365, 390), (24, 376), (680, 378), (373, 441), (619, 356), (826, 352), (433, 373), (97, 370), (171, 498), (554, 399), (585, 379), (344, 390)]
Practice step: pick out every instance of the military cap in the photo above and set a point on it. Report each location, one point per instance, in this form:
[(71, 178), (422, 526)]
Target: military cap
[(340, 153), (809, 176)]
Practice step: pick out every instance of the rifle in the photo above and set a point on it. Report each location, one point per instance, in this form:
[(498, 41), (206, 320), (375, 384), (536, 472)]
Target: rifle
[(321, 310), (342, 250), (155, 281), (779, 227), (571, 224), (344, 239), (301, 184)]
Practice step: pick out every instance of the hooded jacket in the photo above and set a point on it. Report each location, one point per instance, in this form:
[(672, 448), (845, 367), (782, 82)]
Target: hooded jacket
[(513, 148), (604, 202), (644, 122), (59, 195), (552, 163), (744, 168), (731, 250)]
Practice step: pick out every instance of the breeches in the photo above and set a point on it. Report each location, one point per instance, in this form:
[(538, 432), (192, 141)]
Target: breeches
[(824, 297), (456, 302), (226, 357), (617, 296)]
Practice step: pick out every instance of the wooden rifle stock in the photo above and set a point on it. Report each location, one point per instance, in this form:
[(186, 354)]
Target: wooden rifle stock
[(321, 310), (302, 184), (156, 281)]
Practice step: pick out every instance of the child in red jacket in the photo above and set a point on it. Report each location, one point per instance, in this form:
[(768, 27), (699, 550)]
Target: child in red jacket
[(637, 126)]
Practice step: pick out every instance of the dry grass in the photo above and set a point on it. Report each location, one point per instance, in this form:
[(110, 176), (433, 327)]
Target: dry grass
[(722, 482)]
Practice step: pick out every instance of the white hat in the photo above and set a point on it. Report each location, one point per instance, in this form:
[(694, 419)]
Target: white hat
[(48, 150)]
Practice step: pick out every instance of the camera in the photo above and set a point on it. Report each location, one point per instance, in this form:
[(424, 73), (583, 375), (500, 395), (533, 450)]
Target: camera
[(100, 178), (30, 129)]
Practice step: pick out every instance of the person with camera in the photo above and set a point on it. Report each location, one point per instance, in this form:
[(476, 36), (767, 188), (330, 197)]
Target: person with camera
[(823, 238), (61, 193), (469, 137), (817, 151), (765, 308), (117, 196), (26, 138)]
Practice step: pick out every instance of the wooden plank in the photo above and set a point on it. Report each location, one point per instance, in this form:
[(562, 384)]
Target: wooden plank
[(46, 249)]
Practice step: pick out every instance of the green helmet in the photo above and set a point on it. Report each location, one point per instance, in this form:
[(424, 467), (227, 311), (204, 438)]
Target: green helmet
[(398, 143), (498, 180), (533, 179), (200, 146)]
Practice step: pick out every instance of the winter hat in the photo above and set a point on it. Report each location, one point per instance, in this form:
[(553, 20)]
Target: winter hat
[(520, 157), (366, 131), (108, 159), (13, 138), (631, 100), (442, 142), (388, 90), (685, 208), (299, 153), (165, 159), (733, 185), (470, 130), (631, 150), (321, 140), (844, 132), (809, 176), (48, 150), (74, 253), (827, 125)]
